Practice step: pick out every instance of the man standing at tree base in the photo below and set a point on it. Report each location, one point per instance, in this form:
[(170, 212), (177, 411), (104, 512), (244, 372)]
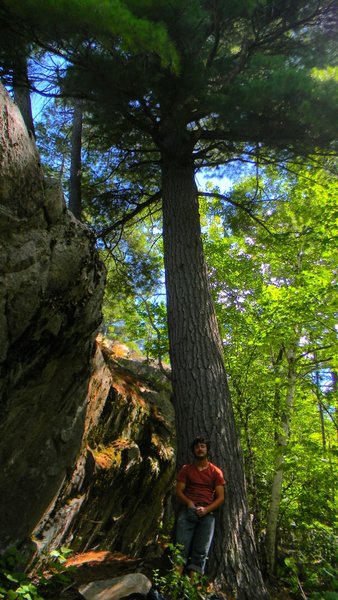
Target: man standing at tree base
[(200, 490)]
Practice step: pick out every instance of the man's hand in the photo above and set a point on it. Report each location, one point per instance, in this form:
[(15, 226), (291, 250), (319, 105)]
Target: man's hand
[(201, 511)]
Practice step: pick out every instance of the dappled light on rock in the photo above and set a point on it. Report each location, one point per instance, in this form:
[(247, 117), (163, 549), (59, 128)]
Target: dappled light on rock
[(120, 488), (115, 589), (97, 565)]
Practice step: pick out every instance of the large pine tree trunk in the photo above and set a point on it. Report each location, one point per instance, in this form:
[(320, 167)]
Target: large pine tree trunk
[(201, 395)]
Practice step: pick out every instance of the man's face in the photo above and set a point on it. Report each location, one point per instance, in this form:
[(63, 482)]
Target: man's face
[(200, 450)]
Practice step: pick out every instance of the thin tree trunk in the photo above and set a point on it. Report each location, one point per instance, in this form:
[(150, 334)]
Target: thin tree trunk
[(75, 196), (22, 93), (282, 440), (200, 390), (320, 408)]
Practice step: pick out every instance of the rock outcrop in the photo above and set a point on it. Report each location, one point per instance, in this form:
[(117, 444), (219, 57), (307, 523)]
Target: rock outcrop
[(51, 286), (86, 432), (120, 489)]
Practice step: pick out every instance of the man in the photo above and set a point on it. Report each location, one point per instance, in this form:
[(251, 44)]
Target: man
[(200, 491)]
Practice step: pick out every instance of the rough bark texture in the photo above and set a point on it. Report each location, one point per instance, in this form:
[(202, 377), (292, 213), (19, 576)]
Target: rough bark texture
[(201, 395), (50, 300)]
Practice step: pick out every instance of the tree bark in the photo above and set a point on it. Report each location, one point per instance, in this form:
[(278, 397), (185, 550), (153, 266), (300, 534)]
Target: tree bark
[(282, 440), (200, 391), (75, 196), (22, 94)]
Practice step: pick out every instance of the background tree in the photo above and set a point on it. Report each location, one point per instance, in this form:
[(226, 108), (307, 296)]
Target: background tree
[(75, 195), (277, 313)]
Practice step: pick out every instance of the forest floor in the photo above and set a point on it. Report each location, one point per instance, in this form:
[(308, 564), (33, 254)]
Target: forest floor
[(103, 565)]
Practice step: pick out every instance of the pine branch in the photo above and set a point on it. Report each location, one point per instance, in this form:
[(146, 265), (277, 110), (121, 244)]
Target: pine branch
[(238, 205), (130, 215), (158, 335)]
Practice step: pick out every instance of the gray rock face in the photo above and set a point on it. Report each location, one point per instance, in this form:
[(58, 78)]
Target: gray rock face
[(21, 182), (51, 286)]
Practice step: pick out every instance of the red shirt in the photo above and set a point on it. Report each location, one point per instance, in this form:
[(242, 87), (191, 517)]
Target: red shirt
[(200, 485)]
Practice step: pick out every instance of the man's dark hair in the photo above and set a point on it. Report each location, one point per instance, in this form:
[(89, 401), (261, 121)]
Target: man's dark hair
[(200, 439)]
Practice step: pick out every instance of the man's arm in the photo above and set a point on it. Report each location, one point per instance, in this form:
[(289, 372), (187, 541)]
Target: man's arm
[(180, 487), (218, 500)]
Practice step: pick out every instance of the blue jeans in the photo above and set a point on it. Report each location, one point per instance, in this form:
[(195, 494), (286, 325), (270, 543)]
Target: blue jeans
[(195, 535)]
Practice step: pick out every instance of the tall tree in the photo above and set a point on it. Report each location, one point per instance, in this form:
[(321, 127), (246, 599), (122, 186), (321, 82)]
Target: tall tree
[(244, 82)]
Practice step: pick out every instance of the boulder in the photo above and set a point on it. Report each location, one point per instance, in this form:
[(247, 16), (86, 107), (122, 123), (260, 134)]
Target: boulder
[(51, 287)]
